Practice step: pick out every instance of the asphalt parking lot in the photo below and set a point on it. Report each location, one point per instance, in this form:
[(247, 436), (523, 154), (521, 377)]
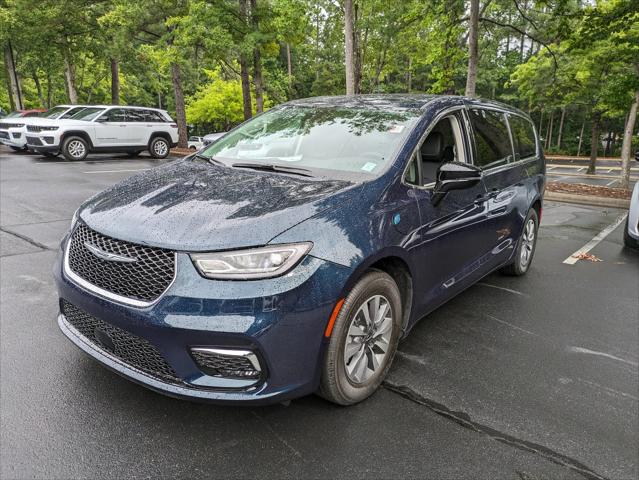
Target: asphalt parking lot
[(528, 378), (573, 170)]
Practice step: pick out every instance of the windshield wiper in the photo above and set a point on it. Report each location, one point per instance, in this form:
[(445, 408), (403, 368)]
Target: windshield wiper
[(269, 167), (208, 159)]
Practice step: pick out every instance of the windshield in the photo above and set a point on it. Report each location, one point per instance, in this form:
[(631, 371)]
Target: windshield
[(88, 114), (54, 112), (354, 139), (13, 115)]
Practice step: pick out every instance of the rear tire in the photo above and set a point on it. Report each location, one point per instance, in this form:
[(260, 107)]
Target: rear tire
[(159, 147), (134, 154), (75, 148), (526, 246), (362, 347), (628, 241)]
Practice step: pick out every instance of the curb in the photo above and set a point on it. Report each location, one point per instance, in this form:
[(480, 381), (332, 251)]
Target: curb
[(587, 200)]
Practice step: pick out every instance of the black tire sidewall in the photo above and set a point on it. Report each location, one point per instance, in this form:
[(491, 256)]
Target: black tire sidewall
[(152, 147), (334, 378)]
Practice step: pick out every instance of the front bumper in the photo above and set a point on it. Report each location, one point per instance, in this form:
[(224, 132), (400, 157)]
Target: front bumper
[(13, 139), (282, 320)]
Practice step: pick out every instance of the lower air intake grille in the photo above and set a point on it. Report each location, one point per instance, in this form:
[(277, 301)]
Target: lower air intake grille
[(220, 364), (129, 348)]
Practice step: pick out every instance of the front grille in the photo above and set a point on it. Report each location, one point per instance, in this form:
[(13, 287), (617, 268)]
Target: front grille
[(224, 365), (33, 141), (4, 134), (37, 128), (143, 279), (129, 348)]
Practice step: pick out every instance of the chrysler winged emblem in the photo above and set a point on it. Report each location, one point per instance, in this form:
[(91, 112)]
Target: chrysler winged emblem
[(109, 257)]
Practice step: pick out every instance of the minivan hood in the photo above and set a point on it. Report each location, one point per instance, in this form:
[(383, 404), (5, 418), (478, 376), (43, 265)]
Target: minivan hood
[(193, 206)]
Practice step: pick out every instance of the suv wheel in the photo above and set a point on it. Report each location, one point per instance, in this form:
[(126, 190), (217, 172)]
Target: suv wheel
[(363, 340), (75, 148), (159, 147), (525, 247)]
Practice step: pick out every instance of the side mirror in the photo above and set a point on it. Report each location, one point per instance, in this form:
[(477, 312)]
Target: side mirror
[(101, 120), (454, 176)]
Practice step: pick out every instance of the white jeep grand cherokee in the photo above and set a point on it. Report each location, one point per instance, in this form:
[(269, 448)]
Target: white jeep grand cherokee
[(13, 130), (103, 129)]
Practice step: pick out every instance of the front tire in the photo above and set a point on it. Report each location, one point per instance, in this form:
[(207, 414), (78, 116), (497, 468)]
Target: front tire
[(17, 149), (75, 148), (525, 247), (363, 340), (159, 147)]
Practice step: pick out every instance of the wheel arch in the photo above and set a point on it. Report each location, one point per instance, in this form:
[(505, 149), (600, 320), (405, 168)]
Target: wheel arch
[(394, 262), (76, 133)]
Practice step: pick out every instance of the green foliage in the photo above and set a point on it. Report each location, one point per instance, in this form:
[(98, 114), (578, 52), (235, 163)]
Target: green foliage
[(540, 55), (218, 103)]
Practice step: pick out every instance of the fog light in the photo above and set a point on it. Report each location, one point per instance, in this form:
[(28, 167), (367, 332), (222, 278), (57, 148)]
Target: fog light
[(227, 363)]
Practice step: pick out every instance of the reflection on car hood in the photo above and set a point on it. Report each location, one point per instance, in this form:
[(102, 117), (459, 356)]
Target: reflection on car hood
[(195, 206)]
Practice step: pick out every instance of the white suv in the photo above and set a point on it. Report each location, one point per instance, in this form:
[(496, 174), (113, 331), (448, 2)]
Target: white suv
[(104, 129), (13, 130)]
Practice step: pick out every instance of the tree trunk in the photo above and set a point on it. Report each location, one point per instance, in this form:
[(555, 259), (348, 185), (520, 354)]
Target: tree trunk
[(180, 114), (547, 141), (626, 146), (594, 143), (473, 49), (49, 91), (541, 122), (349, 47), (561, 127), (36, 81), (581, 136), (15, 94), (289, 65), (410, 74), (244, 70), (115, 82), (258, 80), (69, 77)]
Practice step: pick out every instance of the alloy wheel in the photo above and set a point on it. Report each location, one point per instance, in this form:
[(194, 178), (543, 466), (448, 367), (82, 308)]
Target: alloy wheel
[(76, 149), (527, 243), (160, 148), (368, 339)]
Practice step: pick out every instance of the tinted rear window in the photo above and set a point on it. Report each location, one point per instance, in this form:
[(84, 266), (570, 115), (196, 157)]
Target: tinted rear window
[(523, 136), (492, 140)]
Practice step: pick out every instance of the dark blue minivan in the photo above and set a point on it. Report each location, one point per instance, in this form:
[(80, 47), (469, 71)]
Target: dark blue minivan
[(292, 255)]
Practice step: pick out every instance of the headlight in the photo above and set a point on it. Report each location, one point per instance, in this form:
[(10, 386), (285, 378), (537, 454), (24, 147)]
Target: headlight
[(48, 129), (263, 262), (16, 125)]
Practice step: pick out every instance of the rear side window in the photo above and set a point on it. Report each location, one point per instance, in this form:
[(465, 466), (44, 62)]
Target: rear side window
[(492, 140), (523, 137), (135, 115), (153, 116)]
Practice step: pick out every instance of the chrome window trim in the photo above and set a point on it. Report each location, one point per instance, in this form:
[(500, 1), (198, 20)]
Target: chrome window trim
[(499, 168), (89, 287), (431, 125)]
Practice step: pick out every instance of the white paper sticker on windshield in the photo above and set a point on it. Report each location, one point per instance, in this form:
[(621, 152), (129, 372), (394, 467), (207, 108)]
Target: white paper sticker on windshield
[(396, 129), (369, 166)]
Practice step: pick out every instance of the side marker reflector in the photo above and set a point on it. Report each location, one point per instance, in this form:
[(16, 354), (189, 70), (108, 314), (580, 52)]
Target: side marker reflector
[(331, 322)]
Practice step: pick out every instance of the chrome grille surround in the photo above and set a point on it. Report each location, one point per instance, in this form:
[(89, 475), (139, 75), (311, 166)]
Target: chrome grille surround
[(140, 283)]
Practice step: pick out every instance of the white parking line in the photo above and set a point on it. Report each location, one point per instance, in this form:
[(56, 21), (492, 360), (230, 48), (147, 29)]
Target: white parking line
[(116, 171), (610, 183), (572, 259)]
